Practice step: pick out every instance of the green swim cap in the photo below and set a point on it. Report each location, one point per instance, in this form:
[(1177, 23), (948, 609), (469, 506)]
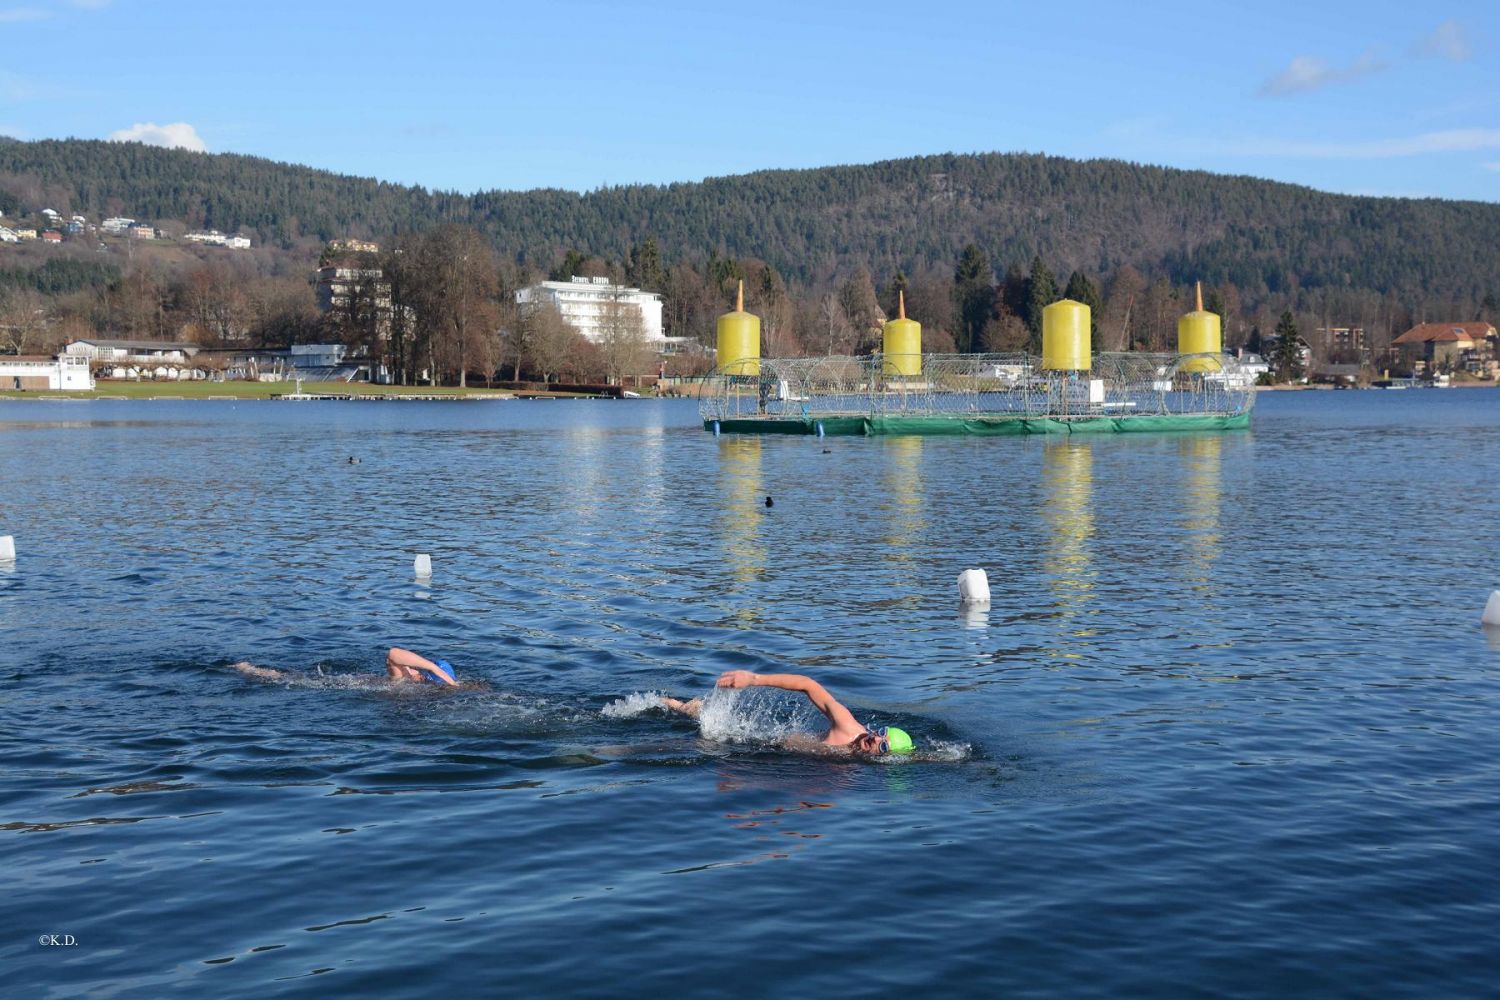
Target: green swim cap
[(898, 740)]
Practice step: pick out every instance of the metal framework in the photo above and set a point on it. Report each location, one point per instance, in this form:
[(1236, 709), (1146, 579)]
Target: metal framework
[(985, 391)]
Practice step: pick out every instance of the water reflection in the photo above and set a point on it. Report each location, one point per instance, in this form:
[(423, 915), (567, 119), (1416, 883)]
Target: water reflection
[(907, 505), (584, 488), (1067, 510), (650, 467), (741, 513), (974, 616), (1203, 491)]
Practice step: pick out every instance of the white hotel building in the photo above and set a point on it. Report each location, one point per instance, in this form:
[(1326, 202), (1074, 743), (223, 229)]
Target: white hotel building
[(586, 303)]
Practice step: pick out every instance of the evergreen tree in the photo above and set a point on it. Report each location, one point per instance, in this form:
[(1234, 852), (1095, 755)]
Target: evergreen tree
[(644, 270), (1287, 359), (900, 285), (1041, 292), (1081, 289), (974, 296), (572, 264), (1013, 291)]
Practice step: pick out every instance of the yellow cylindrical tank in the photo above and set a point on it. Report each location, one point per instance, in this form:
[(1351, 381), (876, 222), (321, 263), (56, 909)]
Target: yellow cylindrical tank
[(1199, 332), (739, 339), (901, 344), (1065, 337)]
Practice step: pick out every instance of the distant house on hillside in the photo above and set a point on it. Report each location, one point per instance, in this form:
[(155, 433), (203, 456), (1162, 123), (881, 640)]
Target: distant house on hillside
[(1467, 346), (141, 231), (51, 236), (214, 238), (116, 225), (351, 245), (1343, 338)]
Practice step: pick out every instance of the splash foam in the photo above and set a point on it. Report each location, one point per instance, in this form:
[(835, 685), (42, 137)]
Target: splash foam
[(632, 705)]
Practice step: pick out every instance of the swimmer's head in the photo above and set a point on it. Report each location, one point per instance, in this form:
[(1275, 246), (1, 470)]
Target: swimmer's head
[(889, 740), (444, 667), (897, 741)]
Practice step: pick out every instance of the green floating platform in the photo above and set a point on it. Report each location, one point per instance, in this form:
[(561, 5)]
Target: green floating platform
[(978, 426)]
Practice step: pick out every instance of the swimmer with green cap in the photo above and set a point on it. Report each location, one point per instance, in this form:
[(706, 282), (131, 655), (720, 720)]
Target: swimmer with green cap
[(843, 730)]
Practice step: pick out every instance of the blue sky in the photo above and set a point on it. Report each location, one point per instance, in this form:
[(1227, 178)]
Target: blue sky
[(1367, 98)]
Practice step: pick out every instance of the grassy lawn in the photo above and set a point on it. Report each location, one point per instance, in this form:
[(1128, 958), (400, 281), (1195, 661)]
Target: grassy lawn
[(245, 390)]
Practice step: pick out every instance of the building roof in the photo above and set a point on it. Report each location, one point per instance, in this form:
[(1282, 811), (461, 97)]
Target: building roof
[(145, 345), (1424, 332)]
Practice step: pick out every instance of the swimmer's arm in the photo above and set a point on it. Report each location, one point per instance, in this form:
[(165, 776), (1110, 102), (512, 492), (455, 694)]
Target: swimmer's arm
[(837, 714), (690, 708), (413, 661), (438, 675), (250, 670)]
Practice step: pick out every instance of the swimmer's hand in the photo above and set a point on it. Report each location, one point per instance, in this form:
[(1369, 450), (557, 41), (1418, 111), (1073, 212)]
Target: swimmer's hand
[(737, 679)]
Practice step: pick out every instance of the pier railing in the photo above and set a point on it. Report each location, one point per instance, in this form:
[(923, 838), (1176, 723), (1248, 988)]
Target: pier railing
[(965, 385)]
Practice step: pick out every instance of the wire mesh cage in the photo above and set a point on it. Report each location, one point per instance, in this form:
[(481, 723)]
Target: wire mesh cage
[(990, 388)]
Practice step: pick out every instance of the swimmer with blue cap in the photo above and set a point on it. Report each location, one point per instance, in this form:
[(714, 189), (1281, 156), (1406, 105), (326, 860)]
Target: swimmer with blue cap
[(843, 730), (402, 666)]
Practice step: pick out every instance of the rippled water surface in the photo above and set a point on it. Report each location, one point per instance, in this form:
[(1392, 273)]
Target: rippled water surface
[(1229, 727)]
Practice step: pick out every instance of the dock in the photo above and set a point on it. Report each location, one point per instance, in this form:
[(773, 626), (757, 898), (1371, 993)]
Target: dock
[(383, 397)]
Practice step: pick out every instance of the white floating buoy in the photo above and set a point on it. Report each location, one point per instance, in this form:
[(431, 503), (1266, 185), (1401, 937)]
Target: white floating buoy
[(973, 587), (1491, 614), (7, 548), (423, 565)]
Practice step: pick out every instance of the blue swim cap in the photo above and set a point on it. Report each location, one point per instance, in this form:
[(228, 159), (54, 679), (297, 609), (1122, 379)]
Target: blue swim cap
[(445, 668)]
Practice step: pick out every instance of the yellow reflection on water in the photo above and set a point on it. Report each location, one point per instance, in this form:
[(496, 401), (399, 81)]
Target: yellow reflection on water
[(741, 513), (1067, 511), (1203, 494), (907, 492)]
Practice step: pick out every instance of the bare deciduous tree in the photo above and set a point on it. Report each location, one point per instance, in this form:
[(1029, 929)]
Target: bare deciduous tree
[(22, 320), (622, 338), (547, 338)]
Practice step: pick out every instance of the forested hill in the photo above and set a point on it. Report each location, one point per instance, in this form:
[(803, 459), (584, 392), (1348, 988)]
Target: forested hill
[(910, 214)]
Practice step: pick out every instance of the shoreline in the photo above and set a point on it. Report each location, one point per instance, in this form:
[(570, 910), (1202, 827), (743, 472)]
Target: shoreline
[(417, 394)]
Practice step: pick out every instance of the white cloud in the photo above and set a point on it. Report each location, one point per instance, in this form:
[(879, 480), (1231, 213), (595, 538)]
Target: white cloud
[(1448, 41), (1458, 140), (1493, 165), (178, 135), (1305, 73), (15, 15)]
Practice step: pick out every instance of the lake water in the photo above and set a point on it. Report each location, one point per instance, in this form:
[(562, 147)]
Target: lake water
[(1228, 729)]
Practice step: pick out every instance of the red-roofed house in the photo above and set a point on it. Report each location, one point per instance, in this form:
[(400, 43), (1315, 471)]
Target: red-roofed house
[(1456, 345)]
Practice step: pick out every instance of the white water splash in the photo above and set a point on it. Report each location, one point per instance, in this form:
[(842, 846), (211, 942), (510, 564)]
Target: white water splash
[(730, 716), (632, 705), (942, 751)]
